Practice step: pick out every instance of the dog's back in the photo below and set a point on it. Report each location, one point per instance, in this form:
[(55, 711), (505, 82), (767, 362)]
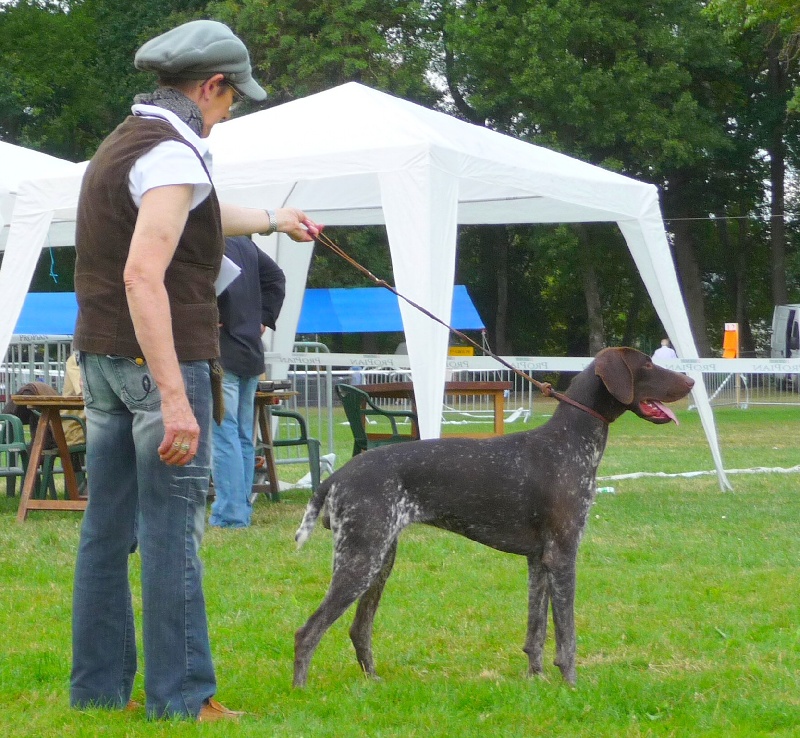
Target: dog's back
[(492, 490)]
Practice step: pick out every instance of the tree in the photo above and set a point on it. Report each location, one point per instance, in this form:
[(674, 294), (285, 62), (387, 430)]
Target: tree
[(46, 103), (643, 88), (773, 26), (69, 68), (780, 17), (306, 46)]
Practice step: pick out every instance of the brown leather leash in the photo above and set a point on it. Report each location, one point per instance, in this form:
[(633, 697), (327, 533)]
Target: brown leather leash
[(544, 387)]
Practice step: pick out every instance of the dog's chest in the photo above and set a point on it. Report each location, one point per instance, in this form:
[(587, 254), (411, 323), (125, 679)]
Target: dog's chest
[(578, 452)]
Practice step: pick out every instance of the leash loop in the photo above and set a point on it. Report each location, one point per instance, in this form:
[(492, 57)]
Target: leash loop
[(544, 387)]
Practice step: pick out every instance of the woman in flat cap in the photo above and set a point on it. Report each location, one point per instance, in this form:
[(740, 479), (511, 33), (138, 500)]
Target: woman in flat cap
[(149, 242)]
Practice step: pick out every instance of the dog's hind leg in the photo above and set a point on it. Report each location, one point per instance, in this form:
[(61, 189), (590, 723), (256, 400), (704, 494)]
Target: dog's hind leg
[(537, 613), (355, 568), (361, 629), (561, 579), (343, 592)]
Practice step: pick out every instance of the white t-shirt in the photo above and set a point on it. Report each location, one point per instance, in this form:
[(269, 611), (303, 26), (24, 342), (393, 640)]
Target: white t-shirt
[(665, 352), (170, 162)]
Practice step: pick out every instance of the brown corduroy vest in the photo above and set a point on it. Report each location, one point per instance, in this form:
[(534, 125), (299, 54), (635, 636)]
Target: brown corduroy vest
[(105, 224)]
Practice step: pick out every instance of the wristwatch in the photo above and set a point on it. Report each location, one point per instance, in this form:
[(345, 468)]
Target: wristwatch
[(273, 223)]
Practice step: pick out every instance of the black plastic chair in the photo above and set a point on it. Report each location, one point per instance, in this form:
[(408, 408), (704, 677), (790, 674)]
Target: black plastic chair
[(359, 409), (13, 451)]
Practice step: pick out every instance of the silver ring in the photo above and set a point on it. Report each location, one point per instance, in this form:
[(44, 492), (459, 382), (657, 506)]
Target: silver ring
[(176, 445), (184, 447)]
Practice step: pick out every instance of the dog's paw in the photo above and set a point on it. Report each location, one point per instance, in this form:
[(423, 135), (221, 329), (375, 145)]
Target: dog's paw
[(538, 674)]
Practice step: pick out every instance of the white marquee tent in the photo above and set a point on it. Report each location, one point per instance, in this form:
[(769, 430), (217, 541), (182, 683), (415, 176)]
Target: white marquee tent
[(355, 156), (16, 164)]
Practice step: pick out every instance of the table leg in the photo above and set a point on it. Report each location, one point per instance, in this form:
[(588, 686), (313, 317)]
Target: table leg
[(499, 410), (27, 502), (265, 424), (70, 481), (34, 461)]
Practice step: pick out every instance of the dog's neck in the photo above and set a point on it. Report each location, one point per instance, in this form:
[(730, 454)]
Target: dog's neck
[(588, 390)]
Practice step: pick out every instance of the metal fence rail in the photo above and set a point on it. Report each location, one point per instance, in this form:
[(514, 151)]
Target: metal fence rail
[(34, 358), (745, 389), (314, 384)]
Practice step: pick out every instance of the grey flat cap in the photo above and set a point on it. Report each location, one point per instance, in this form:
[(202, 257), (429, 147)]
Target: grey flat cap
[(198, 50)]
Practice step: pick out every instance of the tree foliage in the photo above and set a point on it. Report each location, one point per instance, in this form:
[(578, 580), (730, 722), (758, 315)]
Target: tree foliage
[(778, 19), (302, 47)]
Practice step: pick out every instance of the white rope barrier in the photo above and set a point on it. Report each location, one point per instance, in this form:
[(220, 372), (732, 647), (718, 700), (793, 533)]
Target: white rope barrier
[(711, 472)]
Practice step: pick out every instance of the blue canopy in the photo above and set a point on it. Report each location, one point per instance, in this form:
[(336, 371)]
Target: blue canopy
[(371, 310), (48, 314), (336, 310)]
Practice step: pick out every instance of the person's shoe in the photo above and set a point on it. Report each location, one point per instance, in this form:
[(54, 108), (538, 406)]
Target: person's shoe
[(213, 710)]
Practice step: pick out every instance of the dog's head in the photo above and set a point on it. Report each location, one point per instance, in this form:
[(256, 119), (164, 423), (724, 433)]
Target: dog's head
[(640, 385)]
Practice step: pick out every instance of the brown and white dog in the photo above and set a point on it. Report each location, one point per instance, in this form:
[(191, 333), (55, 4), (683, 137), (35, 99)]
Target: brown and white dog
[(525, 493)]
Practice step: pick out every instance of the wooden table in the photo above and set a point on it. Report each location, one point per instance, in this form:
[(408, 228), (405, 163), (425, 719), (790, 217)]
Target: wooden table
[(50, 407), (405, 390), (265, 401)]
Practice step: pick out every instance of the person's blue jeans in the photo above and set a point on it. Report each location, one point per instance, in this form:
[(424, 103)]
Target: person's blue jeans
[(134, 496), (233, 456)]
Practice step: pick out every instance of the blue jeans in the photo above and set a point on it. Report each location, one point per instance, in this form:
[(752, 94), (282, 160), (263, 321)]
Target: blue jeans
[(233, 457), (134, 496)]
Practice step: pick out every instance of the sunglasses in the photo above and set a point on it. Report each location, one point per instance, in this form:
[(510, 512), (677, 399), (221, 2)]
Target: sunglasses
[(238, 97)]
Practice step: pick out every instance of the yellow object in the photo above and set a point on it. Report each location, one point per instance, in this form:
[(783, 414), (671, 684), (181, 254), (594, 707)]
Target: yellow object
[(730, 343), (73, 430), (461, 351)]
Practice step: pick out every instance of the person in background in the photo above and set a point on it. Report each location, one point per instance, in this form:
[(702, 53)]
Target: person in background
[(73, 430), (150, 240), (249, 305), (665, 351)]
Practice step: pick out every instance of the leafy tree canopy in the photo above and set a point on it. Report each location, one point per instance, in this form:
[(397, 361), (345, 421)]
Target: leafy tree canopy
[(780, 19)]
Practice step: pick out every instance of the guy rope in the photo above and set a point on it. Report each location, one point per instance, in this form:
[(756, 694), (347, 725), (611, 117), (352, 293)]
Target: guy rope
[(544, 387)]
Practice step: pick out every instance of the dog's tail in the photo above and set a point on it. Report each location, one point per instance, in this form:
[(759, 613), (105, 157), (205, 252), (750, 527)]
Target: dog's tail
[(312, 513)]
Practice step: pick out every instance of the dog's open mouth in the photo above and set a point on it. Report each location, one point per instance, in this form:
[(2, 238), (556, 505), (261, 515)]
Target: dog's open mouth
[(656, 412)]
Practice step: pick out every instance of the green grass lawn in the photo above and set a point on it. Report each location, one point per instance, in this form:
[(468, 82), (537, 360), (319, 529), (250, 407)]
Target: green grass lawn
[(687, 612)]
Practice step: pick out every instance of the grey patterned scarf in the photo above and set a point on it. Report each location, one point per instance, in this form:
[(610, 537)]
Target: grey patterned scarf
[(176, 102)]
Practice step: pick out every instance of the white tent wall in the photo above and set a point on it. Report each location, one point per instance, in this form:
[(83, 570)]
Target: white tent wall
[(17, 164), (19, 263), (648, 245), (294, 259), (30, 222), (355, 156), (420, 207), (40, 206)]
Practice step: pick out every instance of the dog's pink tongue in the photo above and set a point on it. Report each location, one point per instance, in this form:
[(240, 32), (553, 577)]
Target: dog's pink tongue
[(664, 409)]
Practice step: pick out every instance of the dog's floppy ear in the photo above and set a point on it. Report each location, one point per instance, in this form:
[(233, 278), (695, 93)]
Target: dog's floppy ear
[(613, 370)]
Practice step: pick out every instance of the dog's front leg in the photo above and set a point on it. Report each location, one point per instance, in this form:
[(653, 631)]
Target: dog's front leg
[(561, 580), (537, 614)]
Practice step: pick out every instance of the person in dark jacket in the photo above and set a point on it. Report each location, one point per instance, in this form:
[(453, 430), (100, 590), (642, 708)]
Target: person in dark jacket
[(247, 307)]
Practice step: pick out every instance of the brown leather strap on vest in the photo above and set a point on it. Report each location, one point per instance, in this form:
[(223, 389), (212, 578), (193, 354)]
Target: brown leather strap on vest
[(545, 387)]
